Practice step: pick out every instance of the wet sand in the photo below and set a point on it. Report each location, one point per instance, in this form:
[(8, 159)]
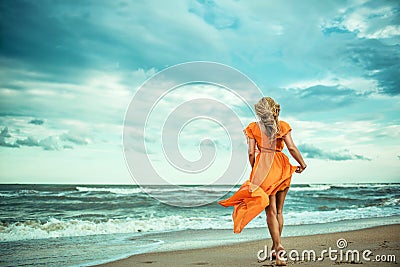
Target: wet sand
[(383, 241)]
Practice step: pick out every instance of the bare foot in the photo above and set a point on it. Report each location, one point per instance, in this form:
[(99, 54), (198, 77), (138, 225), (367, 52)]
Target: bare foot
[(279, 256)]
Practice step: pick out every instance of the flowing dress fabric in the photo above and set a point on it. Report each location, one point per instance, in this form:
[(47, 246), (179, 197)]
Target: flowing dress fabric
[(272, 172)]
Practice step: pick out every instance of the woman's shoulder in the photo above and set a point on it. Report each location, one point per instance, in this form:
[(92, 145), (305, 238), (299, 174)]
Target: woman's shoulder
[(284, 123), (250, 129), (252, 124), (285, 127)]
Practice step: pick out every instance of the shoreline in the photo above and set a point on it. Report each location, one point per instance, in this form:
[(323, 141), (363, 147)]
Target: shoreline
[(381, 240)]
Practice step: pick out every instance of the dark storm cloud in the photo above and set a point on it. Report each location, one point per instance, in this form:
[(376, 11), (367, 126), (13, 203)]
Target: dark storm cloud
[(311, 151), (59, 39), (33, 34), (36, 122), (381, 62), (329, 95), (65, 39), (317, 99)]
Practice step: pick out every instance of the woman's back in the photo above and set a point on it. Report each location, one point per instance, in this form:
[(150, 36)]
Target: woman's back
[(263, 141)]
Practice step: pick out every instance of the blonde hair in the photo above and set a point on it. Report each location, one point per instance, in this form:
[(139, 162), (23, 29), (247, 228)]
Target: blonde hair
[(268, 112)]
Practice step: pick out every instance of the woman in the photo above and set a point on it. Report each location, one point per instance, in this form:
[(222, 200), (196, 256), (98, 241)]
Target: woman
[(271, 173)]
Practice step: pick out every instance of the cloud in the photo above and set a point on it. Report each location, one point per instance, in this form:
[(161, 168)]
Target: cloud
[(5, 144), (53, 142), (3, 135), (371, 20), (88, 37), (313, 152), (214, 15), (50, 143), (101, 98), (319, 101), (380, 61), (29, 141), (360, 85), (74, 138), (375, 48), (329, 94), (37, 122)]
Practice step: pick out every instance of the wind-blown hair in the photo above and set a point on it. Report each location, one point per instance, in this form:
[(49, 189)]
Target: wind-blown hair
[(268, 112)]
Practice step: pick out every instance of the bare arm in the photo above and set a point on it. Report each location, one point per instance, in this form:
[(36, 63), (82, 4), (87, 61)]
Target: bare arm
[(252, 151), (294, 152)]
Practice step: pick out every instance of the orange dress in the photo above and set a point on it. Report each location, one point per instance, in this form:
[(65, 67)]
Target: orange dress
[(272, 171)]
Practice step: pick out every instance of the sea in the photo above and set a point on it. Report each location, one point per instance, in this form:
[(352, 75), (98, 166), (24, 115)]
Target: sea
[(84, 225)]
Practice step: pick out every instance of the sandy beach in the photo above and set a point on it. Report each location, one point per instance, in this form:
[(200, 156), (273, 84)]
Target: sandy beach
[(382, 241)]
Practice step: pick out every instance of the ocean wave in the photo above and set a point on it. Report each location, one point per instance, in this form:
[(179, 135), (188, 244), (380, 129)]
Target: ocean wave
[(156, 190), (53, 228), (18, 193), (34, 229), (322, 187), (326, 216), (8, 194), (119, 191), (391, 202), (362, 185), (311, 188), (80, 210)]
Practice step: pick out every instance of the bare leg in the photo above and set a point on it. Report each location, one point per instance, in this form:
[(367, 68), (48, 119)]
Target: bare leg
[(280, 198), (275, 223), (272, 222)]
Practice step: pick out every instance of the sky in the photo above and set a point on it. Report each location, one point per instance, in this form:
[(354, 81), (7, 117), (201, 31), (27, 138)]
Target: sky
[(71, 69)]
